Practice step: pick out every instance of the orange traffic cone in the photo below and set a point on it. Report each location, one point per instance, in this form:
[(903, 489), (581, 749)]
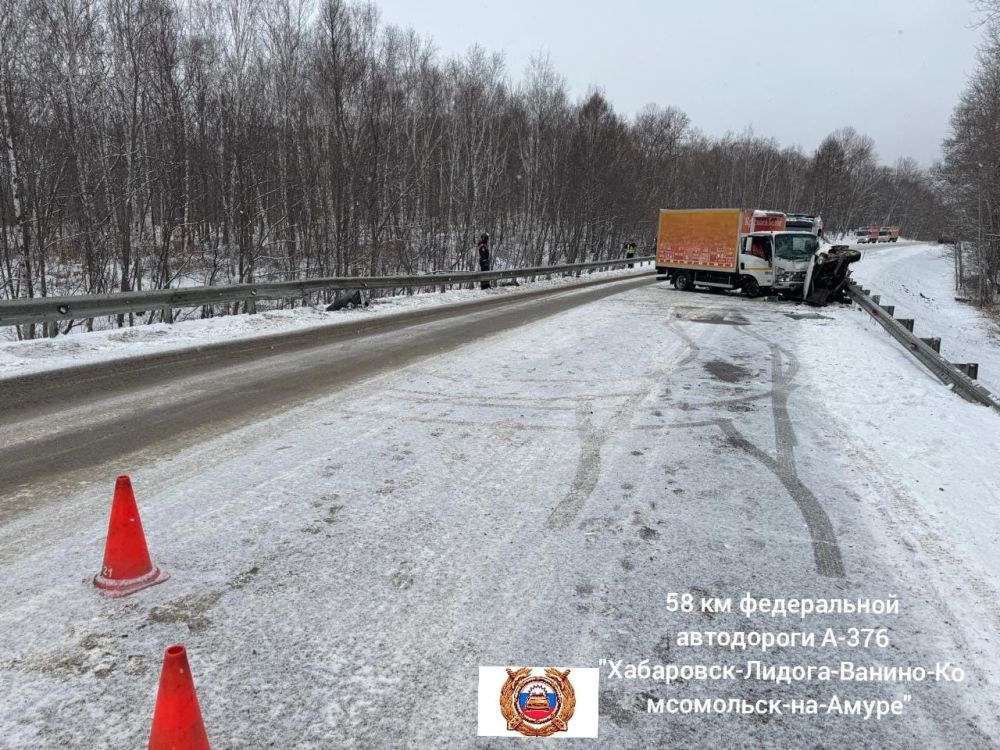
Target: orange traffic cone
[(177, 722), (127, 567)]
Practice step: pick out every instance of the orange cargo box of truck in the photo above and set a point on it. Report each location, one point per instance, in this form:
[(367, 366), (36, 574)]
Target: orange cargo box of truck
[(699, 238), (709, 238)]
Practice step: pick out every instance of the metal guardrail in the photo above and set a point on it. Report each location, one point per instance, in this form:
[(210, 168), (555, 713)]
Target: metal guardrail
[(941, 368), (81, 307)]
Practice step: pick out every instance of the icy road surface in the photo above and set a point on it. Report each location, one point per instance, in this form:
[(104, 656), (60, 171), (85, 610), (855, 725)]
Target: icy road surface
[(341, 567)]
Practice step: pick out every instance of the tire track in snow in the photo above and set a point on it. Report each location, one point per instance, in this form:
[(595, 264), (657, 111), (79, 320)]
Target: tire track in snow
[(593, 438), (826, 548), (588, 468)]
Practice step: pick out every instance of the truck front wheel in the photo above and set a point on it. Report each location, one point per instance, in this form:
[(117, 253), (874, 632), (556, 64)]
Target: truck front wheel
[(750, 286), (682, 282)]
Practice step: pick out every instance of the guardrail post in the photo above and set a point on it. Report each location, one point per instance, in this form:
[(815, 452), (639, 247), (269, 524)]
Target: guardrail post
[(168, 315), (907, 323), (969, 368), (927, 352)]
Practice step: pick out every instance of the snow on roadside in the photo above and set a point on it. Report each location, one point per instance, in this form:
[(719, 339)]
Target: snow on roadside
[(919, 281), (939, 447), (929, 459), (81, 348)]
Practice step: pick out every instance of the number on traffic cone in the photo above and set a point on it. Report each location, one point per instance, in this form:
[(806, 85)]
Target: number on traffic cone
[(127, 567)]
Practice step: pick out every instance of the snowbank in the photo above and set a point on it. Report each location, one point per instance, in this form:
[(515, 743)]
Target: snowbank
[(919, 280)]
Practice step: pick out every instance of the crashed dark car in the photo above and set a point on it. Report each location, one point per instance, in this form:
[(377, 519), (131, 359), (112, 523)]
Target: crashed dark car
[(828, 274)]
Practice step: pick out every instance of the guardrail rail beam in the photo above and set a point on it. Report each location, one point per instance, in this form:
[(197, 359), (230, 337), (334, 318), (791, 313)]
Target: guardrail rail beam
[(82, 307), (941, 368)]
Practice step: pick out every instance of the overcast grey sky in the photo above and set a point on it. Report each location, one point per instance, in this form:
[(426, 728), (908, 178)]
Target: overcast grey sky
[(791, 69)]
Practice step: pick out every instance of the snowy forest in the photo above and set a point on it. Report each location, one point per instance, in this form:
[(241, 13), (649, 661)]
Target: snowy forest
[(152, 143), (970, 170)]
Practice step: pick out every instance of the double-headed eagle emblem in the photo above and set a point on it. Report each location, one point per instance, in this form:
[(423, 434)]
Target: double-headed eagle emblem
[(537, 705)]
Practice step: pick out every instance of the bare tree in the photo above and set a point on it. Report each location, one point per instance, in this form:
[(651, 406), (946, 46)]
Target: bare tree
[(147, 143), (971, 167)]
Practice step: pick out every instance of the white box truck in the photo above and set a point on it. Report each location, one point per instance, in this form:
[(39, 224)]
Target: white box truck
[(731, 248)]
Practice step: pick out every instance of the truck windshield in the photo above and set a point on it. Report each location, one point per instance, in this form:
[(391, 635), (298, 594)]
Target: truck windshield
[(796, 246)]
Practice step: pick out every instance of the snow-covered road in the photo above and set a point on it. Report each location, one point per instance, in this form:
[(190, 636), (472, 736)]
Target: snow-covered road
[(341, 569)]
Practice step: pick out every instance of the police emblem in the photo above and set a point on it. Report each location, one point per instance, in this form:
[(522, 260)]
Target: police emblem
[(537, 705)]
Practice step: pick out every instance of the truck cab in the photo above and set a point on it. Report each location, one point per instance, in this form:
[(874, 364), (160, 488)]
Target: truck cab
[(776, 261)]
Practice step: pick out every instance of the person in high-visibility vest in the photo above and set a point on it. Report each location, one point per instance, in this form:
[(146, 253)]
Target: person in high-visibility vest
[(630, 251)]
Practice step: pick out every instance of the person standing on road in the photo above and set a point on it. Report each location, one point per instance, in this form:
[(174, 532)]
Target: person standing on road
[(630, 251), (484, 258)]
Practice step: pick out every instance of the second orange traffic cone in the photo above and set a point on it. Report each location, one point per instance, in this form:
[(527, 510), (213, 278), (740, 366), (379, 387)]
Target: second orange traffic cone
[(177, 722), (127, 567)]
